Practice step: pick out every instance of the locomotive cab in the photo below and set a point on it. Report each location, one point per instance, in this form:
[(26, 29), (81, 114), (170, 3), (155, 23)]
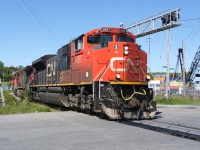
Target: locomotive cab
[(116, 48)]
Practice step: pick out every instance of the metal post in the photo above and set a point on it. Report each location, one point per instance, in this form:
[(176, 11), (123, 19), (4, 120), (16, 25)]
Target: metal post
[(184, 72), (168, 63), (2, 96), (149, 39)]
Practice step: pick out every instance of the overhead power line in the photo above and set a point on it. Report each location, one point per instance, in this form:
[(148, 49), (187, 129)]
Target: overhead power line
[(37, 17), (191, 19), (54, 25)]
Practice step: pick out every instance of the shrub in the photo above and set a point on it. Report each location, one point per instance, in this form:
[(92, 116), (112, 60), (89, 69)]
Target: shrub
[(24, 106), (177, 100)]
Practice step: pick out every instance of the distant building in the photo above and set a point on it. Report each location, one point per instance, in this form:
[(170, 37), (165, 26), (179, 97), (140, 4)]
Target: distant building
[(154, 84), (159, 82)]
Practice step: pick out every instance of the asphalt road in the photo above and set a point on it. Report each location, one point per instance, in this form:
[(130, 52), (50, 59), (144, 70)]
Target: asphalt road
[(187, 115), (72, 130)]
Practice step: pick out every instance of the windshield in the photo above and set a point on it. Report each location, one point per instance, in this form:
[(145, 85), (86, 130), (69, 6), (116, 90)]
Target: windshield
[(99, 39), (125, 39)]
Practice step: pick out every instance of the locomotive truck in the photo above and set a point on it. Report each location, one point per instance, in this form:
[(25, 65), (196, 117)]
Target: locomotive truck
[(102, 71)]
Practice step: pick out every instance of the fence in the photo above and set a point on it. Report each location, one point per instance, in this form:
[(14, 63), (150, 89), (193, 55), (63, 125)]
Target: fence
[(191, 94)]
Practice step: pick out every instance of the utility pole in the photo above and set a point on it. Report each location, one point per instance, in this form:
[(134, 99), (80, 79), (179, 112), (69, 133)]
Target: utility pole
[(168, 63), (184, 72), (149, 39)]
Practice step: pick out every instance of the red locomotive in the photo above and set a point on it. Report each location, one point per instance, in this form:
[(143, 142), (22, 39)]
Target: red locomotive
[(103, 71), (22, 79)]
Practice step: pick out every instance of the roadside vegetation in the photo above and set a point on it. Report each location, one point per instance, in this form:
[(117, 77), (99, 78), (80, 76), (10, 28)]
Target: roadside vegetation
[(177, 100), (12, 106)]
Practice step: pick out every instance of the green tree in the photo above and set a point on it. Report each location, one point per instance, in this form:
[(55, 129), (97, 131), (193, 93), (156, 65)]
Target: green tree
[(1, 69), (20, 67), (7, 72), (1, 64)]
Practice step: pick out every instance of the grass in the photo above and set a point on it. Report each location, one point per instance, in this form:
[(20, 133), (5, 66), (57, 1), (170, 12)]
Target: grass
[(177, 100), (24, 106), (7, 83)]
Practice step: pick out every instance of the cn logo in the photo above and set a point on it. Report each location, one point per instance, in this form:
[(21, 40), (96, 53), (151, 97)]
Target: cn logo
[(112, 64), (51, 69), (129, 63)]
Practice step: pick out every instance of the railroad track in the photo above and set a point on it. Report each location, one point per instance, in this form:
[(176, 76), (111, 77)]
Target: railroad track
[(174, 129)]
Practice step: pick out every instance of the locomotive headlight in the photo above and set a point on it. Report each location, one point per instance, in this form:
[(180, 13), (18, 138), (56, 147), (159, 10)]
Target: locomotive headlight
[(126, 50), (148, 77), (118, 76)]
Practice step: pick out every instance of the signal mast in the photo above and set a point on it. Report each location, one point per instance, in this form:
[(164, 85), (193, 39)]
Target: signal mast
[(160, 22)]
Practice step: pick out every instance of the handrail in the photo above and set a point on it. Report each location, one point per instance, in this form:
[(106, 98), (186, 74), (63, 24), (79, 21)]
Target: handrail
[(101, 79), (95, 79)]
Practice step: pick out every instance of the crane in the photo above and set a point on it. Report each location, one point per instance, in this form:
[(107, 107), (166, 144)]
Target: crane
[(179, 61), (194, 68)]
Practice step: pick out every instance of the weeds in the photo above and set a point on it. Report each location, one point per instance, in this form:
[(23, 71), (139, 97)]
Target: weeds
[(177, 100), (24, 106)]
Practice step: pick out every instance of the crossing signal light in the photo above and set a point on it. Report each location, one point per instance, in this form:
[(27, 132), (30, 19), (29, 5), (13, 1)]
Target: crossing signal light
[(174, 16), (165, 19)]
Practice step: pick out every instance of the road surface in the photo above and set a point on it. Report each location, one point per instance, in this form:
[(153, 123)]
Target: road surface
[(71, 130)]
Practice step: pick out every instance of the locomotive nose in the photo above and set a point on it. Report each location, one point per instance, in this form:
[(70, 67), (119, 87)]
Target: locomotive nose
[(127, 62)]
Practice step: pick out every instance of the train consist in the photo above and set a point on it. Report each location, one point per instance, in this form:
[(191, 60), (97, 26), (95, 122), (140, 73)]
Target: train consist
[(102, 71)]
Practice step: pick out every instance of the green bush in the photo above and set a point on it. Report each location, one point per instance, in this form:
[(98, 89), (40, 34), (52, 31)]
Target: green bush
[(24, 106), (26, 95), (9, 100), (177, 100), (7, 83)]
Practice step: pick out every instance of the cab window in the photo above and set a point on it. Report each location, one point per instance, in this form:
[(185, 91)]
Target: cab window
[(101, 40), (78, 43), (125, 39)]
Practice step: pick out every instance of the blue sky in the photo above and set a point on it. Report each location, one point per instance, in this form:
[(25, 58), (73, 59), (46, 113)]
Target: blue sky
[(32, 28)]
